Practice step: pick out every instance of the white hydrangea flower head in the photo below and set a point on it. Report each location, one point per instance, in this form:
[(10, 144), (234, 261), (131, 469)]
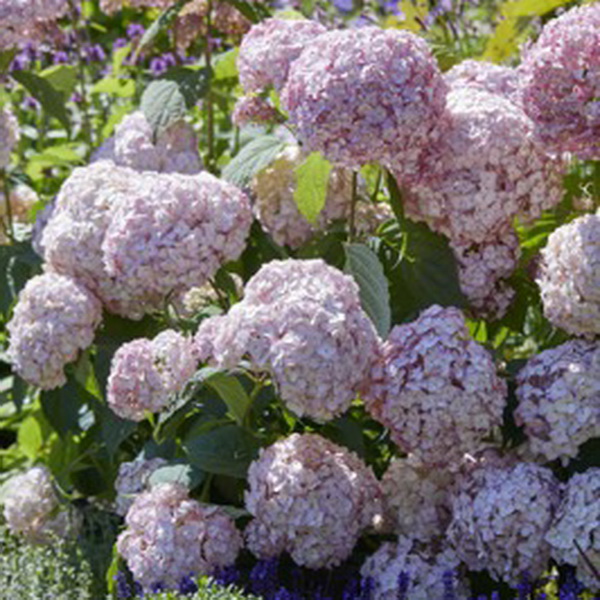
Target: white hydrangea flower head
[(270, 47), (578, 521), (302, 322), (54, 319), (483, 270), (500, 518), (145, 373), (496, 79), (416, 499), (435, 388), (169, 536), (561, 83), (422, 572), (311, 498), (559, 399), (484, 171), (32, 509), (174, 151), (365, 95), (133, 479), (570, 277), (9, 133)]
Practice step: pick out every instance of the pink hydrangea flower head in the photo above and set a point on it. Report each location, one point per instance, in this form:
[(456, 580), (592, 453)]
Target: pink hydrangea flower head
[(145, 373), (302, 322), (169, 536), (311, 498), (423, 573), (54, 319), (561, 83), (253, 109), (577, 521), (559, 399), (365, 95), (570, 277), (134, 478), (269, 48), (32, 509), (500, 518), (416, 499), (484, 172), (9, 135), (435, 388)]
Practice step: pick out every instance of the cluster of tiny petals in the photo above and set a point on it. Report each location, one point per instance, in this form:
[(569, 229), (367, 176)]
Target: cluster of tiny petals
[(496, 79), (54, 319), (269, 48), (365, 95), (302, 322), (483, 270), (145, 373), (311, 498), (9, 135), (577, 521), (169, 536), (24, 21), (253, 109), (435, 388), (484, 172), (559, 399), (416, 499), (31, 507), (561, 83), (500, 516), (133, 146), (401, 564), (133, 478), (570, 276)]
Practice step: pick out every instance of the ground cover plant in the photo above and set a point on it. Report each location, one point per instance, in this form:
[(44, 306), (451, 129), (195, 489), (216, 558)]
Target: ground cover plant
[(300, 299)]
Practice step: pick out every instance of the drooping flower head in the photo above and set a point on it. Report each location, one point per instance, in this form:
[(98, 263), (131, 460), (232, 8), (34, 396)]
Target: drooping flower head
[(435, 388), (561, 82), (365, 95), (311, 498), (302, 322), (54, 319)]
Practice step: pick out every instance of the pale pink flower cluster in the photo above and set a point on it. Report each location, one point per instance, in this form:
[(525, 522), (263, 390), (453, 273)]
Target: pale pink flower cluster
[(311, 498), (577, 521), (365, 95), (416, 499), (9, 134), (133, 479), (269, 48), (561, 82), (559, 399), (170, 536), (423, 571), (145, 373), (32, 509), (500, 517), (133, 146), (22, 199), (570, 277), (301, 321), (435, 388), (24, 21), (136, 238), (54, 319), (253, 109)]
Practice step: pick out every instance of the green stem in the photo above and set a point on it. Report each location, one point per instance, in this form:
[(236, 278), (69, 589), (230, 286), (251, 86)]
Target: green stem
[(210, 118)]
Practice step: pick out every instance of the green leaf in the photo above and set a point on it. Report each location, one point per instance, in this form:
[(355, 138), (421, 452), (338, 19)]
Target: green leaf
[(30, 437), (312, 180), (254, 157), (193, 82), (118, 59), (61, 408), (362, 263), (228, 450), (6, 58), (232, 392), (52, 100), (253, 11), (163, 104), (178, 472), (62, 78), (225, 65), (118, 88)]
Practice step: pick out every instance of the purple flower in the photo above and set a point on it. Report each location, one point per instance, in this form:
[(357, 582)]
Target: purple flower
[(448, 578), (264, 576), (60, 57), (226, 576), (169, 59), (30, 103), (20, 62), (403, 583), (187, 585), (158, 66), (119, 43), (344, 5), (95, 53), (135, 30)]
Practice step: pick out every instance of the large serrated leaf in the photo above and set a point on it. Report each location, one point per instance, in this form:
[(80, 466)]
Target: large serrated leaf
[(254, 157), (312, 181), (178, 472), (163, 103), (362, 263), (231, 391), (253, 11)]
